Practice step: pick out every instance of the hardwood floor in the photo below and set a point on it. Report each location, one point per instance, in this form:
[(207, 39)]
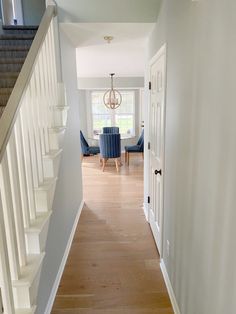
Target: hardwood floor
[(113, 266)]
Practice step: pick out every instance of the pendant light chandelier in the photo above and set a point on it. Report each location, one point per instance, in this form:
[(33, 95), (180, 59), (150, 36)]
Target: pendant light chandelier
[(112, 98)]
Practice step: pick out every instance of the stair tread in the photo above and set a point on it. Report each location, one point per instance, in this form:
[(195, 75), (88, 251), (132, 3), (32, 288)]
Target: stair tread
[(29, 271), (17, 36), (5, 90), (9, 74), (12, 60), (39, 222), (14, 48), (20, 27)]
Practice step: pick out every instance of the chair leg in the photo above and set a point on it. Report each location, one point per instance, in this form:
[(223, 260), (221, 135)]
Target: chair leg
[(125, 157), (117, 164), (143, 155), (103, 164), (128, 158)]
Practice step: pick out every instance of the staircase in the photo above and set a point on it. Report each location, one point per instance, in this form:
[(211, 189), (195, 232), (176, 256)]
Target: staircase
[(15, 43), (32, 126)]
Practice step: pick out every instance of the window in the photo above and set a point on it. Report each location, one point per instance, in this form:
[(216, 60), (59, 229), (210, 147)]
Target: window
[(123, 117)]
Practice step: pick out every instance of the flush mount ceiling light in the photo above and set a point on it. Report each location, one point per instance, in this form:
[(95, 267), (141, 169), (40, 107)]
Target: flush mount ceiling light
[(108, 39), (112, 98)]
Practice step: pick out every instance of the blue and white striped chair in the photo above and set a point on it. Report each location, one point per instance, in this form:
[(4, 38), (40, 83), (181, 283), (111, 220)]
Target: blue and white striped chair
[(111, 129), (110, 148)]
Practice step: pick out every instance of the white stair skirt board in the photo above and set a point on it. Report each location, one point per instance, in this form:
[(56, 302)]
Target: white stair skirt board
[(44, 195), (145, 210), (56, 136), (51, 163), (63, 262), (169, 288), (36, 234), (25, 289)]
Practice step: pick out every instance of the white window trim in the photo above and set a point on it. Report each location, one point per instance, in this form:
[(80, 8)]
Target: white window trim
[(90, 114)]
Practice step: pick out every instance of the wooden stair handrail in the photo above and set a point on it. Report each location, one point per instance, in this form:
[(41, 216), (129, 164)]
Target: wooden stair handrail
[(14, 103)]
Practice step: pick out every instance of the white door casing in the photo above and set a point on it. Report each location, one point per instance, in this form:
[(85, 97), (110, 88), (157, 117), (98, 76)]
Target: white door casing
[(157, 141)]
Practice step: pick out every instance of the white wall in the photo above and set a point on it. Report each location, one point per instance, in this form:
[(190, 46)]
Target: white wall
[(33, 11), (68, 194), (200, 170)]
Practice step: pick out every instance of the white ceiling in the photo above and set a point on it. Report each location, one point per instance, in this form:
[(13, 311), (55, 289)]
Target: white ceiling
[(108, 11), (125, 56)]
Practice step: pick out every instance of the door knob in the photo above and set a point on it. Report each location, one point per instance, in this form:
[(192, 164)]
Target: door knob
[(158, 172)]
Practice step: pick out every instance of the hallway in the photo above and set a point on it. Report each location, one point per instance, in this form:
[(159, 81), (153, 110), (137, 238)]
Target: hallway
[(113, 266)]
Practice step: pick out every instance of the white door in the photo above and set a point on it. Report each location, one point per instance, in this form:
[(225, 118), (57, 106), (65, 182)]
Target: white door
[(156, 139)]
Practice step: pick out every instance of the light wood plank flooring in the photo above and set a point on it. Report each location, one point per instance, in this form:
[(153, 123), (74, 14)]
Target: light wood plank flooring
[(113, 266)]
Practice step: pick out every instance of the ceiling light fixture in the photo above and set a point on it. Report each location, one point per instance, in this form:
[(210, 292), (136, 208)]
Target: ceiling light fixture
[(112, 98), (108, 39)]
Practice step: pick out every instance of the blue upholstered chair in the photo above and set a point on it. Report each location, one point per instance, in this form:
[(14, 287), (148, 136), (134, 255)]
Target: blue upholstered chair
[(86, 149), (138, 148), (111, 130), (110, 148)]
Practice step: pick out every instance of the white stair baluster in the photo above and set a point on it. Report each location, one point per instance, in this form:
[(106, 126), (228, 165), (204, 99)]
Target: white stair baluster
[(28, 162), (5, 276), (16, 199), (22, 173), (35, 129), (43, 103), (6, 196)]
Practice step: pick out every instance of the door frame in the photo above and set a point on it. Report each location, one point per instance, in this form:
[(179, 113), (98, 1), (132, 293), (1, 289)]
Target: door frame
[(162, 50)]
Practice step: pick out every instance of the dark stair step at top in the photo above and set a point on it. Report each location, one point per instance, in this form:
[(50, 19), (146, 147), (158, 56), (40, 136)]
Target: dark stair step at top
[(19, 29)]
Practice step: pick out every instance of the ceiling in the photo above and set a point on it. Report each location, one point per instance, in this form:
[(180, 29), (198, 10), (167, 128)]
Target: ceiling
[(108, 11), (125, 55)]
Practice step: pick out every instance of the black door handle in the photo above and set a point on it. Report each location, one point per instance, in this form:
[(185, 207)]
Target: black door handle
[(158, 172)]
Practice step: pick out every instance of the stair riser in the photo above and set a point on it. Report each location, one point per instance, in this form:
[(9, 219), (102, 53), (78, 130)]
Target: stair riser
[(13, 54), (56, 139), (16, 42), (51, 166), (26, 297), (19, 31), (36, 242), (10, 67), (44, 198), (60, 117), (3, 100), (7, 82)]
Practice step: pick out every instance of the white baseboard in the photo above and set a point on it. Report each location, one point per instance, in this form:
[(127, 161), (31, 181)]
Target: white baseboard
[(145, 209), (169, 288), (63, 263)]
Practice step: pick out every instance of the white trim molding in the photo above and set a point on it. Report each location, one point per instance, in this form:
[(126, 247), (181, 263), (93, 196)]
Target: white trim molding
[(169, 288), (146, 211), (63, 262)]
